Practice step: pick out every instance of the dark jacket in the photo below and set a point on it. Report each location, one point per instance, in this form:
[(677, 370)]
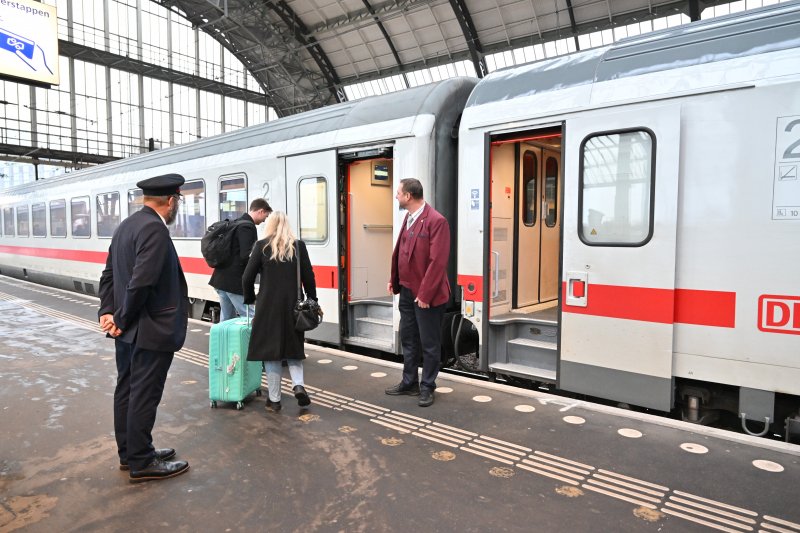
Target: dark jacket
[(229, 278), (143, 284), (274, 337), (425, 268)]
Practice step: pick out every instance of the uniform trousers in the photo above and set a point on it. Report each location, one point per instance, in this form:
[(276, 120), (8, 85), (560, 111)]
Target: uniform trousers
[(141, 375), (421, 338)]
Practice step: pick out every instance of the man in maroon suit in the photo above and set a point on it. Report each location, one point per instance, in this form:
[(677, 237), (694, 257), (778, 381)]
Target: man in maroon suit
[(419, 276)]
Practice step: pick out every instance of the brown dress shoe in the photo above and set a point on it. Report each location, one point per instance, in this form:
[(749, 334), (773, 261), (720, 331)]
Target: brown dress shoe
[(162, 453), (159, 469)]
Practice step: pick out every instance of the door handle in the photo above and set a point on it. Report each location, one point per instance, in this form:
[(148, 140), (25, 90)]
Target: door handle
[(578, 289), (496, 275)]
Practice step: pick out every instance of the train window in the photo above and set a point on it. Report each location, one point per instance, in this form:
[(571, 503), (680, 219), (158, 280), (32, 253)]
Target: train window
[(616, 186), (58, 218), (190, 222), (232, 197), (313, 203), (80, 217), (22, 221), (8, 221), (551, 191), (135, 201), (108, 213), (530, 168), (39, 220)]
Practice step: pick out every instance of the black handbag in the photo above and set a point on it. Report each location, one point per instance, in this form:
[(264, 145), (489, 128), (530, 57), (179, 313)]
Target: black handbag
[(307, 312)]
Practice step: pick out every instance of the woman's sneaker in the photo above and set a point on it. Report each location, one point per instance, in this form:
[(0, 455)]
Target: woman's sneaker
[(302, 396), (273, 406)]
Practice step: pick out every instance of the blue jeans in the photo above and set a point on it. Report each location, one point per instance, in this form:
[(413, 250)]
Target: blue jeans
[(231, 305), (274, 371)]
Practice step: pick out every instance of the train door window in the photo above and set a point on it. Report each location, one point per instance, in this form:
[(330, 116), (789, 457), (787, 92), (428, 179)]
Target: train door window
[(232, 196), (80, 217), (135, 201), (39, 220), (551, 191), (108, 213), (616, 188), (190, 222), (313, 207), (529, 171), (8, 221), (22, 221), (58, 218)]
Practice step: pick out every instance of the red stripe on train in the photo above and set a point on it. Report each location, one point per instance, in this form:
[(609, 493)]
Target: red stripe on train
[(665, 306), (325, 275)]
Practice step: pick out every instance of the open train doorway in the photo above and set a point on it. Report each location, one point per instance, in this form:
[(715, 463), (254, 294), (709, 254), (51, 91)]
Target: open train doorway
[(525, 248), (366, 226)]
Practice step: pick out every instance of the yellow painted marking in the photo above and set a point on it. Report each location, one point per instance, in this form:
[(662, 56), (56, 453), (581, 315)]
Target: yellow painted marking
[(445, 437), (492, 457), (524, 408), (553, 469), (629, 485), (444, 390), (781, 522), (558, 464), (410, 427), (489, 450), (421, 435), (576, 420), (624, 491), (350, 367), (619, 496), (401, 430), (568, 461), (378, 374), (410, 417), (320, 401), (324, 361), (329, 393), (694, 448), (482, 399), (769, 466), (630, 433), (502, 471), (509, 444), (720, 504), (376, 407), (354, 409), (451, 428), (712, 509), (547, 474), (635, 480), (698, 521), (701, 514), (771, 528)]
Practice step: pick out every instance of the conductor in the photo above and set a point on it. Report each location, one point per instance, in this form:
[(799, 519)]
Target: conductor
[(144, 307)]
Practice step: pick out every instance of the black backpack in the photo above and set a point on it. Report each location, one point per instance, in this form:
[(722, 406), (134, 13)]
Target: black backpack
[(217, 244)]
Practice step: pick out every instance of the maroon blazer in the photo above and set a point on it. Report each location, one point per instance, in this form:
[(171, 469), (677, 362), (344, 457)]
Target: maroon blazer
[(430, 253)]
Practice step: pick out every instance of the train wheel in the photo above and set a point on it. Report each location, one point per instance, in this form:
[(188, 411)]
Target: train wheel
[(239, 406), (213, 404), (258, 392)]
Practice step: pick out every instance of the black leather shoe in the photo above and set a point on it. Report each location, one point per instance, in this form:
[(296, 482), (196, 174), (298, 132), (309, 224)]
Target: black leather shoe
[(159, 469), (401, 388), (273, 406), (425, 398), (301, 395), (162, 453)]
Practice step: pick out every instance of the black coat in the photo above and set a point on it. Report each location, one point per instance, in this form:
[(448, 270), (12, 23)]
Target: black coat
[(143, 284), (229, 278), (274, 337)]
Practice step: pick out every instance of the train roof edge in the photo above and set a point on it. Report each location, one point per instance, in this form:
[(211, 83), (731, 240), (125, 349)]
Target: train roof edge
[(762, 30)]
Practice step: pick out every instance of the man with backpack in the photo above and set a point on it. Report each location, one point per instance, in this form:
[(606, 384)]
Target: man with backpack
[(227, 276)]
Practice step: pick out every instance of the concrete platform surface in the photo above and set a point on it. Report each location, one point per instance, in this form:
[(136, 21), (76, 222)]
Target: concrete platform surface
[(484, 457)]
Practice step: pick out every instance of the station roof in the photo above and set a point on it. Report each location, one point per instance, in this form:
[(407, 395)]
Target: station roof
[(304, 52)]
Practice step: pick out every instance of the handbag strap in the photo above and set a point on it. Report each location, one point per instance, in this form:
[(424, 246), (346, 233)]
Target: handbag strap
[(299, 289)]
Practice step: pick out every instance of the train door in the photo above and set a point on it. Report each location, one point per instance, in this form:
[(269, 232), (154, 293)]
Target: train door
[(619, 255), (366, 233), (524, 260), (311, 202)]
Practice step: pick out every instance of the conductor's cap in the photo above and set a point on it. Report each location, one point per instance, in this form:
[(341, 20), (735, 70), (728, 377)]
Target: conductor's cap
[(165, 185)]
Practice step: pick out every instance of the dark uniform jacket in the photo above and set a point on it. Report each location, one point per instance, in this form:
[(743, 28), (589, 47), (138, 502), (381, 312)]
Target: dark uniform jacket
[(143, 284), (274, 337), (229, 278)]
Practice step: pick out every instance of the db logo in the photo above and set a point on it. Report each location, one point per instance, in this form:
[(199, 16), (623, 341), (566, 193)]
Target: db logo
[(779, 314)]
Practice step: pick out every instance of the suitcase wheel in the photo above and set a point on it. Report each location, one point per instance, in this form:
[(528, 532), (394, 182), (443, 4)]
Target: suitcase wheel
[(213, 404), (239, 406), (258, 392)]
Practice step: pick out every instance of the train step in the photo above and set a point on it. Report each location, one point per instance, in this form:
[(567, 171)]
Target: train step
[(524, 371), (538, 354)]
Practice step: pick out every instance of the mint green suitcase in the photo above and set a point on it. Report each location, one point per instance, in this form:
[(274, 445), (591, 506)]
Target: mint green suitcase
[(231, 377)]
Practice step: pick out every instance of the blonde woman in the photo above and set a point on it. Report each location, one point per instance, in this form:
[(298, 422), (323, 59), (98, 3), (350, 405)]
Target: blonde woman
[(274, 338)]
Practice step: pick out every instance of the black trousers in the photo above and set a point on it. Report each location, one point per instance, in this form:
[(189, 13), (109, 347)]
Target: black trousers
[(421, 338), (141, 375)]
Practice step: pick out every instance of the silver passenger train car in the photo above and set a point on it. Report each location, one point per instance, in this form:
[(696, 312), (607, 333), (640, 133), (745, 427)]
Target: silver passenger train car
[(626, 220)]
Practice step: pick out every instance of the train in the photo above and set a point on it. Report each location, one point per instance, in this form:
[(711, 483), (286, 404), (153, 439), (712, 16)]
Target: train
[(626, 219)]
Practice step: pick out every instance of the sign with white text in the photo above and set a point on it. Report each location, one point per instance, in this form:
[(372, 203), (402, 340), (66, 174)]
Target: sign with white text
[(29, 41)]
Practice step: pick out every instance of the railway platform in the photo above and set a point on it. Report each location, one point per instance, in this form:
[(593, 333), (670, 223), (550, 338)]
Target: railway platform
[(484, 457)]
